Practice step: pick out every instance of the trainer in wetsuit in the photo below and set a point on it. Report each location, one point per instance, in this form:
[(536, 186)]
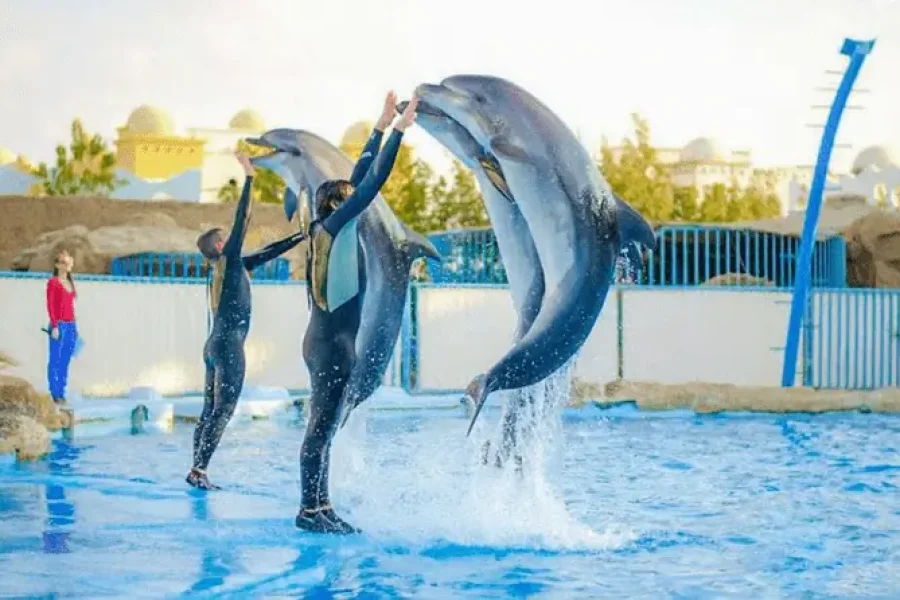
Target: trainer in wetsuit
[(230, 305), (329, 345)]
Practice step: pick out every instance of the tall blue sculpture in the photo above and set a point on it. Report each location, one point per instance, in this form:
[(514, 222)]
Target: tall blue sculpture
[(857, 51)]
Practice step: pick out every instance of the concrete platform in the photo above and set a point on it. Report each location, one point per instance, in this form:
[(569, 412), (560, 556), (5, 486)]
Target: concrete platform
[(255, 403)]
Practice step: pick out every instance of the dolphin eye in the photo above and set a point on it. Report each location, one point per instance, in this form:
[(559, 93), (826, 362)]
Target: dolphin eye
[(295, 152)]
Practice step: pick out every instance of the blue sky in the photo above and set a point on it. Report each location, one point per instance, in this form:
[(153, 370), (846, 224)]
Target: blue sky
[(743, 72)]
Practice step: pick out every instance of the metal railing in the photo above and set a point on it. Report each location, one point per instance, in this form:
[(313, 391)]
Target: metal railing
[(186, 265)]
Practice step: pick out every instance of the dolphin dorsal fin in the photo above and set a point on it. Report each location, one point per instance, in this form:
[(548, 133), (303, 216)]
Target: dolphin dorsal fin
[(632, 226)]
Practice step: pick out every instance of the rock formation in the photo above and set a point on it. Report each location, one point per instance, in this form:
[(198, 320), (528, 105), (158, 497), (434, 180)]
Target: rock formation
[(26, 417), (93, 250), (873, 251)]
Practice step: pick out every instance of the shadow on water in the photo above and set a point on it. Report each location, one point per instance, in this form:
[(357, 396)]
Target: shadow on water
[(217, 563), (60, 511)]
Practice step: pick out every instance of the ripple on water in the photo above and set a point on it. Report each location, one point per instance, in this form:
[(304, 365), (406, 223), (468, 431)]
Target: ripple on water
[(624, 506)]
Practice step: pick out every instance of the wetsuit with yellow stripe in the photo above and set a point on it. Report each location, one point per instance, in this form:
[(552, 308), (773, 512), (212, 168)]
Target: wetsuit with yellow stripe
[(224, 350)]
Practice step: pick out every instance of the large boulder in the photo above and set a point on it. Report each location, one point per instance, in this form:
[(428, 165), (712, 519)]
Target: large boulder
[(23, 436), (93, 250), (26, 416), (873, 250)]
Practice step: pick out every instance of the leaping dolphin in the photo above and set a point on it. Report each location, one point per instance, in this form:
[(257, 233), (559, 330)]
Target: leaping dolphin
[(577, 224), (304, 161), (517, 250)]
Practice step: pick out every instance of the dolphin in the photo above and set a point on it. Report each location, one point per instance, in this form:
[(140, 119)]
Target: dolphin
[(304, 161), (577, 224), (517, 250)]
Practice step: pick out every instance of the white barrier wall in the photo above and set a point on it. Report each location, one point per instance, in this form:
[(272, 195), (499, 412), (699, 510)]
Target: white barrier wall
[(462, 332), (669, 336), (152, 334), (708, 335)]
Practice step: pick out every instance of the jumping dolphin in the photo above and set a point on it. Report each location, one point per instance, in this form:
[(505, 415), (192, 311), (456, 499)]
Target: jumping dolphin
[(304, 161), (348, 349), (514, 240), (577, 225)]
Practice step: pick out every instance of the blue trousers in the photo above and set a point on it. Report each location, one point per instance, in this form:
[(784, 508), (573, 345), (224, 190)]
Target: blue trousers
[(61, 351)]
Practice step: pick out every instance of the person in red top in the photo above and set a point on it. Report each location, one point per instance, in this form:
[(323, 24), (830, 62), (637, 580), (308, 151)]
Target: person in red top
[(61, 296)]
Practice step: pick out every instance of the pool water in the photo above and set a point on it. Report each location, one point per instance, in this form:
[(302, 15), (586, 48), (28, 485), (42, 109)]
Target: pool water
[(633, 505)]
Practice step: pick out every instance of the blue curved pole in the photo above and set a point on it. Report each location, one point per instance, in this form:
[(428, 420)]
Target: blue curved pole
[(857, 51)]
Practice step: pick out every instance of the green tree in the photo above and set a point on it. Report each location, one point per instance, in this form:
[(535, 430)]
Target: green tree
[(86, 168), (267, 186), (638, 176), (458, 204), (407, 189), (685, 205), (714, 206)]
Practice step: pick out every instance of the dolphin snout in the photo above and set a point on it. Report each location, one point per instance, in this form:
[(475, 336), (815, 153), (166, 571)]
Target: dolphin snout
[(401, 106)]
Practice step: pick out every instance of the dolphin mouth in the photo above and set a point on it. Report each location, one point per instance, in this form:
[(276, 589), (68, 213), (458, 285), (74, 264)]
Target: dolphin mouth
[(261, 158), (424, 108)]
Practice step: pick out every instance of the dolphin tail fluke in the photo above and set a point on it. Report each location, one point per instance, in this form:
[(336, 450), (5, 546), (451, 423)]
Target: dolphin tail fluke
[(419, 245), (477, 391), (633, 227)]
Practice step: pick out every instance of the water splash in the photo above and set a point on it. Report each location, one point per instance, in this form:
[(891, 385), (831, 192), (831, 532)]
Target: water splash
[(442, 491)]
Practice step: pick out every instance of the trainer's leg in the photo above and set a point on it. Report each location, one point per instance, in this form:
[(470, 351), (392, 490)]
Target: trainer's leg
[(53, 368), (209, 402), (228, 384), (68, 336), (316, 513)]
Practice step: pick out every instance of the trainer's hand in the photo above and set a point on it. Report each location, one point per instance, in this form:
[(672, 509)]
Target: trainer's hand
[(408, 116), (245, 162), (54, 333), (387, 113)]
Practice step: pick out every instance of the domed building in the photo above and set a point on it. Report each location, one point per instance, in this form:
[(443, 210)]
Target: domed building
[(874, 175), (219, 165), (247, 120), (874, 158), (704, 162), (148, 147)]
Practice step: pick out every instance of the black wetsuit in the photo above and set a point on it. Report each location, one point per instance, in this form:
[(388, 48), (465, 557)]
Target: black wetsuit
[(224, 350), (329, 344)]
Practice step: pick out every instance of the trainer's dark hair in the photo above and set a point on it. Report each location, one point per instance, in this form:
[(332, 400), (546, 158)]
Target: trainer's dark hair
[(207, 242), (59, 256), (330, 195)]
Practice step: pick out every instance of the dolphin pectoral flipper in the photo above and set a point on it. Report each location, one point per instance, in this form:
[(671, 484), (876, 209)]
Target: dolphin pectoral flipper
[(419, 245), (495, 176), (504, 146), (291, 203), (632, 226)]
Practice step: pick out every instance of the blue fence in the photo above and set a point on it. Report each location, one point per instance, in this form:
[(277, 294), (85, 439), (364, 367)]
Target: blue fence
[(186, 265), (851, 339), (684, 255)]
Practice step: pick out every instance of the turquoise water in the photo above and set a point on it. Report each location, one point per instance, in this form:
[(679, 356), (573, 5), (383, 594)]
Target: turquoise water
[(634, 506)]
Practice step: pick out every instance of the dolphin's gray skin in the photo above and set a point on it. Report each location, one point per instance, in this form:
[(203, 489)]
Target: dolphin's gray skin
[(577, 225), (348, 350), (517, 250)]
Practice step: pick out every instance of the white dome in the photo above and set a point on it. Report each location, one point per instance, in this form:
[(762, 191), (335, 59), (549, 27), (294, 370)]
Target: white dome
[(873, 156), (247, 119), (702, 150)]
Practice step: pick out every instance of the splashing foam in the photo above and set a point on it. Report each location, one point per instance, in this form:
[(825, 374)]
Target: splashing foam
[(443, 492)]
